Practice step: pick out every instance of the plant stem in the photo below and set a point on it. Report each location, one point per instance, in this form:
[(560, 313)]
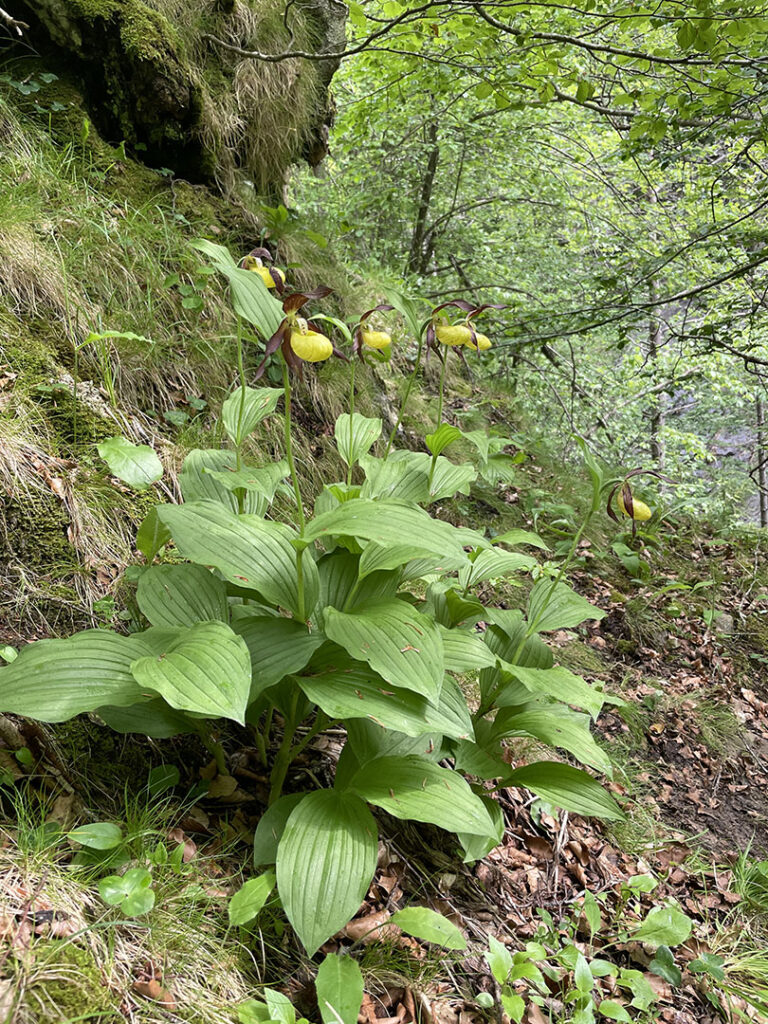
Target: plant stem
[(409, 384), (351, 419), (289, 450), (284, 754), (241, 414), (216, 749), (297, 491), (439, 414)]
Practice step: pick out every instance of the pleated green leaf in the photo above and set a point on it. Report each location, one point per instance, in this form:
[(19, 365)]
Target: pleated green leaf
[(181, 595), (442, 437), (250, 296), (205, 669), (326, 858), (556, 606), (494, 564), (392, 522), (566, 787), (559, 728), (200, 480), (278, 647), (415, 788), (399, 643), (346, 689), (245, 408), (250, 552), (53, 680), (355, 435), (136, 464), (465, 652)]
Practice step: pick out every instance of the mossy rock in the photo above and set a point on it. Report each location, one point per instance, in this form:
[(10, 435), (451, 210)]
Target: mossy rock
[(158, 84), (140, 86)]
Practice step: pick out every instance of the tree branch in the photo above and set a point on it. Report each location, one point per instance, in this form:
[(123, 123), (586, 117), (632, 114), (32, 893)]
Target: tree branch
[(13, 23)]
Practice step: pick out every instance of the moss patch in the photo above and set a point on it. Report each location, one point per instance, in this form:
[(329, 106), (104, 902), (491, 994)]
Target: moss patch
[(71, 986)]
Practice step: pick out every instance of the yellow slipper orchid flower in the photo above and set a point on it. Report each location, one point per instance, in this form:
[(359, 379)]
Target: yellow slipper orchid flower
[(453, 334), (311, 346), (376, 339)]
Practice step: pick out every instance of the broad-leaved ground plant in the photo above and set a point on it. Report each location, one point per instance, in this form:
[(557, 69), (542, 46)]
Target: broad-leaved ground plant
[(364, 614)]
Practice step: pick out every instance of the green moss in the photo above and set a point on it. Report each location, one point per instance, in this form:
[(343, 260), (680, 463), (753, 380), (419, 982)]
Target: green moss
[(35, 532), (146, 34), (71, 986)]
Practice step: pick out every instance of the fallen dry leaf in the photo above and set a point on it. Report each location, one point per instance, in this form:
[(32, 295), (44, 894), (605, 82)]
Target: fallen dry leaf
[(152, 989)]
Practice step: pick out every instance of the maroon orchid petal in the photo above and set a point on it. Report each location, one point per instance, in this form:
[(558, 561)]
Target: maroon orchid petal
[(357, 343), (430, 337), (294, 302), (650, 472), (272, 346), (258, 253), (627, 501), (383, 307), (318, 293), (277, 277), (461, 304), (293, 361), (609, 506)]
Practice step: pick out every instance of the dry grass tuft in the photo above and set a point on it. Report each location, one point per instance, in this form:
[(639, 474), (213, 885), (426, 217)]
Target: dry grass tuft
[(87, 961), (32, 279)]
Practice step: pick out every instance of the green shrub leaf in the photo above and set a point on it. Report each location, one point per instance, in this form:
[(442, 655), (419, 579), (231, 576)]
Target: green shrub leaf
[(136, 464), (664, 926), (247, 902), (339, 987), (428, 925), (98, 835)]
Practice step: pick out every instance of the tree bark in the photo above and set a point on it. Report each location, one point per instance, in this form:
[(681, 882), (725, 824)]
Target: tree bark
[(762, 456), (416, 255)]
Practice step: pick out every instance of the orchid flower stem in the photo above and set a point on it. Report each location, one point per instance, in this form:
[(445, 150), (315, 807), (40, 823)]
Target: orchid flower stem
[(301, 610), (439, 413), (409, 384), (351, 419), (241, 413)]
